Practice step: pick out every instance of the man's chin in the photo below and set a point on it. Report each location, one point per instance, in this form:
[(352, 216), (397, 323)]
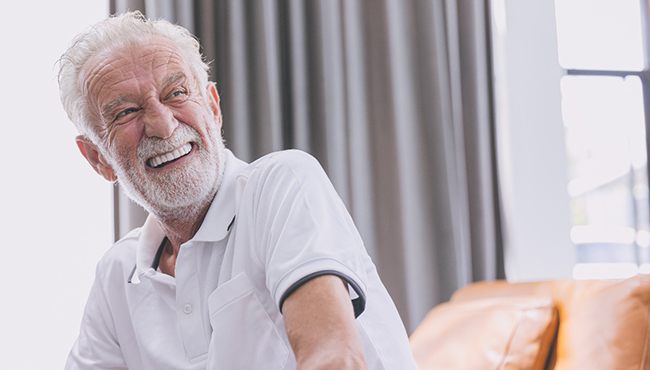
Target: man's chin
[(179, 189), (177, 197)]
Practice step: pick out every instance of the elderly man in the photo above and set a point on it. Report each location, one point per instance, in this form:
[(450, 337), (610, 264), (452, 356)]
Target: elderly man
[(238, 266)]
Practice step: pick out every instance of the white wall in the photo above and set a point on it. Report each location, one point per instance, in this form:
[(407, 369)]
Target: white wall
[(55, 213), (531, 140)]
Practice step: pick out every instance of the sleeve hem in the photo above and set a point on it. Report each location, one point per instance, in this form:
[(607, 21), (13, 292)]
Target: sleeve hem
[(310, 270)]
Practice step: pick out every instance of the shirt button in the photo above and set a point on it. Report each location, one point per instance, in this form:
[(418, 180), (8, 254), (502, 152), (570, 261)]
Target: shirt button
[(187, 308)]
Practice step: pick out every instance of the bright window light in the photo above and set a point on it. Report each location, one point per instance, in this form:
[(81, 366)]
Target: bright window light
[(589, 271), (600, 46), (583, 234), (605, 130), (605, 140), (599, 34)]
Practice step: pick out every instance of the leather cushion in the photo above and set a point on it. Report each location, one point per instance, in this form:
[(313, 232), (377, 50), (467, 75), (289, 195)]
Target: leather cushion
[(603, 324), (506, 333)]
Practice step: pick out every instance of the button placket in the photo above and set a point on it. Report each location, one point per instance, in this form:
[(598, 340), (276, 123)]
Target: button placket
[(187, 299)]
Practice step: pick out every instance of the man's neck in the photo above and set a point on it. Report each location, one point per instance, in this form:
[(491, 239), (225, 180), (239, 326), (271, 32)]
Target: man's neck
[(181, 224), (179, 227)]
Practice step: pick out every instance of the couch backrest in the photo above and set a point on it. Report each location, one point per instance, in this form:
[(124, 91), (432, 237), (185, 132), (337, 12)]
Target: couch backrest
[(603, 324), (505, 333)]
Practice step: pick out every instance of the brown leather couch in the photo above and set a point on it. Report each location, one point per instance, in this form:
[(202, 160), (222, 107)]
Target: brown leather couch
[(557, 325)]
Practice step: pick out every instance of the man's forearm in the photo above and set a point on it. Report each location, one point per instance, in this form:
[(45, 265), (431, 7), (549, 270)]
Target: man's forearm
[(321, 326), (333, 359)]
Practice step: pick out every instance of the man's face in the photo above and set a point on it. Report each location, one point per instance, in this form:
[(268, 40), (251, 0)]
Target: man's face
[(160, 130)]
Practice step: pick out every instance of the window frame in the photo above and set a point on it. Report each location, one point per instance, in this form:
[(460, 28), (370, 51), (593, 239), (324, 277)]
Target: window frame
[(642, 254)]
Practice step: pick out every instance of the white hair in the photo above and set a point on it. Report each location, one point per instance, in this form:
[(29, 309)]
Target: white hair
[(131, 28)]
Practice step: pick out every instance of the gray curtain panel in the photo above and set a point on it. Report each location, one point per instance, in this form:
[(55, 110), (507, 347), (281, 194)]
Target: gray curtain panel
[(392, 96)]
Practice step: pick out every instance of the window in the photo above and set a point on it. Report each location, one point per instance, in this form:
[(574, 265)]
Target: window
[(604, 91)]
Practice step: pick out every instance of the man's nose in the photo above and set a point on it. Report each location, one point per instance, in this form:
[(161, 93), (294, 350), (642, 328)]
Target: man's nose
[(159, 121)]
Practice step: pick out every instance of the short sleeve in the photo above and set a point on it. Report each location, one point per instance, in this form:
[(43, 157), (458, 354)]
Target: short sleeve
[(96, 346), (303, 229)]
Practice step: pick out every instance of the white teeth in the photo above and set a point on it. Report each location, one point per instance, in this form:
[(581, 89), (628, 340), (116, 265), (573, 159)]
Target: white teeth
[(167, 157)]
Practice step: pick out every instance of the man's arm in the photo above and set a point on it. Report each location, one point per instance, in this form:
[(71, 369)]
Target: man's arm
[(320, 324), (96, 346)]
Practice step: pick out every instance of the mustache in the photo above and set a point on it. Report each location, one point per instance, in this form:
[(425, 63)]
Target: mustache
[(153, 146)]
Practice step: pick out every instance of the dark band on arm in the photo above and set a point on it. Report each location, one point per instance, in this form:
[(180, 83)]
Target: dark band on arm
[(358, 304)]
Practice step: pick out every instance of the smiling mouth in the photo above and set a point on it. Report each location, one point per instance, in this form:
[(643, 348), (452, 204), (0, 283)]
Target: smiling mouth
[(167, 158)]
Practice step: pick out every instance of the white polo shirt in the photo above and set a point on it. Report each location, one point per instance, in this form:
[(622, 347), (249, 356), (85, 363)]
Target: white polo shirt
[(273, 225)]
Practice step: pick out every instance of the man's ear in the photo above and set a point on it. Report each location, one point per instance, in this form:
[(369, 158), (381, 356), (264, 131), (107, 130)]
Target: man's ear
[(213, 101), (95, 158)]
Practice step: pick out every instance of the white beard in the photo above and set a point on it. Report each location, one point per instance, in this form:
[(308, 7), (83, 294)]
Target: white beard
[(180, 193)]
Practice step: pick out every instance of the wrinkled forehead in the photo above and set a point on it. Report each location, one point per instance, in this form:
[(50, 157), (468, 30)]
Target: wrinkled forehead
[(148, 61)]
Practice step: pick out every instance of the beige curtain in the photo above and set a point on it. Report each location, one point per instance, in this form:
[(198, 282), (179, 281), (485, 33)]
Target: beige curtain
[(392, 96)]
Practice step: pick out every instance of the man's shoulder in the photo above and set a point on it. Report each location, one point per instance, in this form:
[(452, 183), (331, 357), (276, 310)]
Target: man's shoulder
[(292, 162), (285, 157), (120, 257)]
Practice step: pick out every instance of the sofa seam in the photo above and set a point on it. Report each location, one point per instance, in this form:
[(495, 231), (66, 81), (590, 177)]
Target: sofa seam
[(553, 340), (507, 349)]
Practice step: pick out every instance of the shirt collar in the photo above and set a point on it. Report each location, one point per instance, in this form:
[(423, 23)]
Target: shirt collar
[(218, 220), (215, 226)]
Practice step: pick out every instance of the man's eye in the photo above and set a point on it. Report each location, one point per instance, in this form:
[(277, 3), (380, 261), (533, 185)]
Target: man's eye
[(178, 93), (126, 112)]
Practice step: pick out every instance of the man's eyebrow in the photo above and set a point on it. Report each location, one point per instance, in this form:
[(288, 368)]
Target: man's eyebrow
[(173, 78), (110, 106)]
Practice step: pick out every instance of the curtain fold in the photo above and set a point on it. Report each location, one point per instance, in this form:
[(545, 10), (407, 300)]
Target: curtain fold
[(393, 97)]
